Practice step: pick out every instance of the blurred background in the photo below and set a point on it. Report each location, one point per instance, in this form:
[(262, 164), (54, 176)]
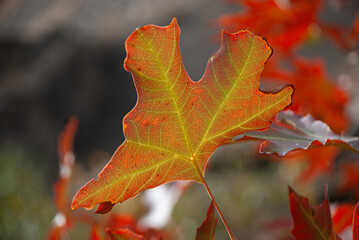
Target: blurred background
[(60, 58)]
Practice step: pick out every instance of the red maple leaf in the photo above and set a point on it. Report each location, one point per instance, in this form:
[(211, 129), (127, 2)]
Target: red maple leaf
[(178, 123), (286, 24), (311, 222)]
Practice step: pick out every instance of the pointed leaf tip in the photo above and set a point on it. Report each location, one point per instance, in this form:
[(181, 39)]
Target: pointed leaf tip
[(174, 21)]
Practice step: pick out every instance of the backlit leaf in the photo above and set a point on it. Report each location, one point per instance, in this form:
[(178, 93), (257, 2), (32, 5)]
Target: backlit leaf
[(349, 172), (356, 223), (62, 222), (355, 27), (286, 24), (207, 230), (311, 222), (95, 233), (342, 216), (177, 123), (123, 234), (116, 222), (318, 161), (293, 131)]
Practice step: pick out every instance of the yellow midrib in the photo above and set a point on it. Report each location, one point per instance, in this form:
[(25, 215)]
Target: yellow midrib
[(226, 96), (165, 76)]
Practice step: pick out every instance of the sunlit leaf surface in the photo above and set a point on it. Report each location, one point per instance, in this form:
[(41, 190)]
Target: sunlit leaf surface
[(177, 123)]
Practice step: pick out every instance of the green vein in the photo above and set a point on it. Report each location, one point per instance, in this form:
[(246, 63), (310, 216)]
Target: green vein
[(226, 96), (159, 149), (252, 117), (165, 76), (132, 175)]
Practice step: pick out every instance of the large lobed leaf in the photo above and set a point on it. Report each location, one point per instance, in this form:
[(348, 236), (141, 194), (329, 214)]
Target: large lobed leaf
[(178, 123)]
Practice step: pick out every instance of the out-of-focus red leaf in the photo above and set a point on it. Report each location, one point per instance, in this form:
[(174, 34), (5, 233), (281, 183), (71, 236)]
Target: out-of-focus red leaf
[(355, 28), (119, 221), (338, 34), (311, 222), (356, 223), (350, 178), (66, 139), (123, 234), (59, 228), (95, 233), (318, 161), (126, 221), (342, 216), (279, 228), (317, 94), (66, 161), (60, 191), (286, 24), (63, 221), (207, 230)]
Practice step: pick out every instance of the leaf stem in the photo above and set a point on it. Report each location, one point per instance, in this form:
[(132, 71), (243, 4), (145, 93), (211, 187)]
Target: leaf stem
[(231, 235)]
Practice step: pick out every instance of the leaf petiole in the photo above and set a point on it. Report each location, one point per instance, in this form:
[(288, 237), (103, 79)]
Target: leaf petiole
[(231, 235)]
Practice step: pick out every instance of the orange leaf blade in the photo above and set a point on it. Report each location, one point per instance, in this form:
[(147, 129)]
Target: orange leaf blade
[(177, 123)]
